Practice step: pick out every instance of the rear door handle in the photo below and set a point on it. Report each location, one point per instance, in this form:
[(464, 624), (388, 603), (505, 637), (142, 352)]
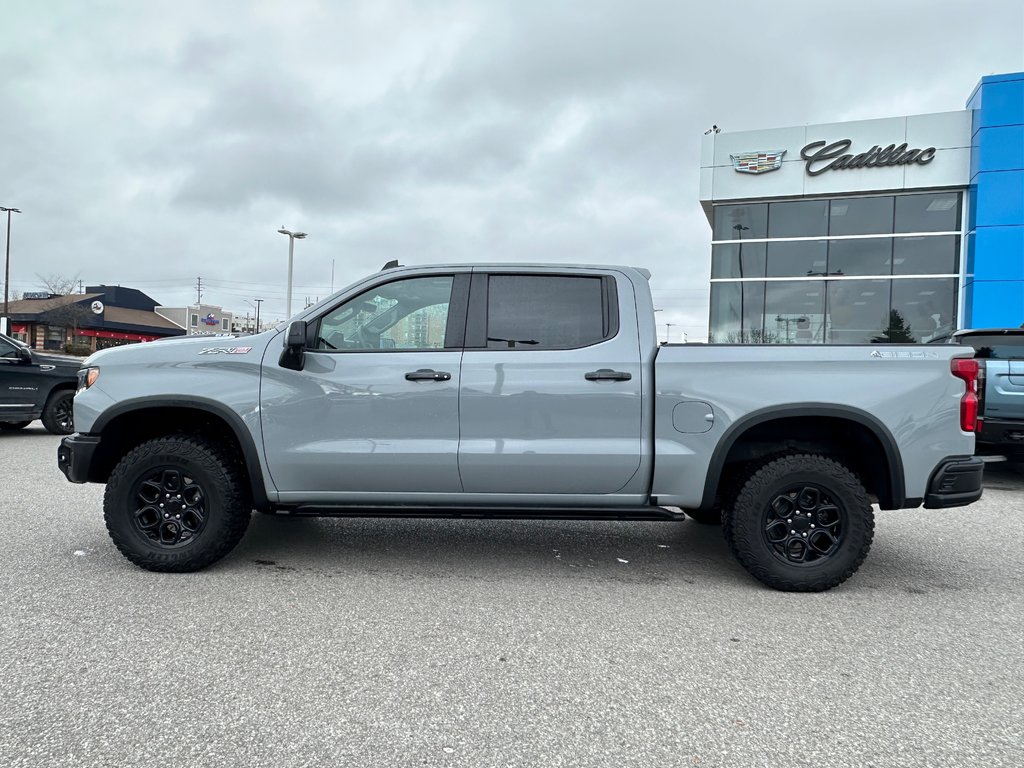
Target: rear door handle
[(607, 374), (428, 374)]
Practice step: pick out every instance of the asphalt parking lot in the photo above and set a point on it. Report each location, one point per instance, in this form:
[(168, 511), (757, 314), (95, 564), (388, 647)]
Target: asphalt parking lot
[(477, 643)]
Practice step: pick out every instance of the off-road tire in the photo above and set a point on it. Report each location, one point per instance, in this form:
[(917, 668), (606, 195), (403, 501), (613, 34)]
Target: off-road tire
[(58, 414), (747, 523), (225, 494), (11, 426)]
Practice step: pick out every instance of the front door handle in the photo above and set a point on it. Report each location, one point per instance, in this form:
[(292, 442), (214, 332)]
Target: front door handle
[(428, 374), (607, 374)]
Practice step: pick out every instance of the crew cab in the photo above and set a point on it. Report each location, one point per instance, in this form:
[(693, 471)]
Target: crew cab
[(36, 385), (521, 391)]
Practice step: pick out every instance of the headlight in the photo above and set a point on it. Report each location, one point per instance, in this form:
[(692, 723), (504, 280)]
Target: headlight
[(87, 377)]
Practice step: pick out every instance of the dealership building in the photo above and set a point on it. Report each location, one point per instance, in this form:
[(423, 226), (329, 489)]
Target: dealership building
[(899, 229)]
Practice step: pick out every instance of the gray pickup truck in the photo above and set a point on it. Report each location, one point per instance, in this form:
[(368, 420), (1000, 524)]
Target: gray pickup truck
[(520, 391)]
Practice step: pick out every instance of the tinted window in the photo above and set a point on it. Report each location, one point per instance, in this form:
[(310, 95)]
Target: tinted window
[(797, 259), (7, 349), (402, 315), (867, 256), (798, 219), (925, 255), (738, 260), (544, 312), (928, 213), (860, 216), (737, 312), (794, 311), (1008, 346), (858, 311), (740, 222)]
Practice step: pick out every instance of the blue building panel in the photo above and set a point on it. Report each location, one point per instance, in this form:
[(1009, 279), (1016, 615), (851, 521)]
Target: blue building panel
[(1000, 196), (994, 250), (998, 149), (1002, 103), (996, 304), (1004, 253)]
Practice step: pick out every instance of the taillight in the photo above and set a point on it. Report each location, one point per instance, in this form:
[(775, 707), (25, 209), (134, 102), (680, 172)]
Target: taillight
[(966, 368)]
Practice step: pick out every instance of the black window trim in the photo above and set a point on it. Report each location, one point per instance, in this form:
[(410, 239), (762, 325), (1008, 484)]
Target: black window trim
[(476, 319), (455, 328)]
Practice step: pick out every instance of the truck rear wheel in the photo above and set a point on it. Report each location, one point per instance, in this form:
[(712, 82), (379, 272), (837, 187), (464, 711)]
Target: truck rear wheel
[(176, 504), (58, 413), (800, 524)]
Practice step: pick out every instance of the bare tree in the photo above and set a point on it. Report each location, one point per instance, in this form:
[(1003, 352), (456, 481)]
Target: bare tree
[(58, 284)]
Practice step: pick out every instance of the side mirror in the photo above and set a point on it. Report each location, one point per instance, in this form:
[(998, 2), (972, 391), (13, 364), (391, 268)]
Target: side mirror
[(296, 337), (293, 356), (25, 354)]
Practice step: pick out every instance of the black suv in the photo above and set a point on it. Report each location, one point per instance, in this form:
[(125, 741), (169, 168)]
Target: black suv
[(36, 386)]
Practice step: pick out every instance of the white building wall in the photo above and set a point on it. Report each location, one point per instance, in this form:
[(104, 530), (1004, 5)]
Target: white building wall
[(948, 132)]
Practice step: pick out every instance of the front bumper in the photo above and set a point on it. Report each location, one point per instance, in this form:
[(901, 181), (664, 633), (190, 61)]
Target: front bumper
[(74, 456), (956, 482)]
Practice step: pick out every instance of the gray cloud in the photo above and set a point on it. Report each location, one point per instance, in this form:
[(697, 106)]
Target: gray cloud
[(149, 147)]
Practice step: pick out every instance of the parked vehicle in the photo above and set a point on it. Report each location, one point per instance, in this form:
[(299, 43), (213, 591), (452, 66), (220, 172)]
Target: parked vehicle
[(1000, 353), (36, 385), (521, 391)]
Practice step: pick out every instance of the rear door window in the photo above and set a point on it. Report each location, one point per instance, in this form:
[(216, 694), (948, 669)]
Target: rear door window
[(547, 311)]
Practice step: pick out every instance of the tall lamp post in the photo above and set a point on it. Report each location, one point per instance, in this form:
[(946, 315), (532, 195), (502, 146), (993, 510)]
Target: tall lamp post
[(292, 237), (7, 266)]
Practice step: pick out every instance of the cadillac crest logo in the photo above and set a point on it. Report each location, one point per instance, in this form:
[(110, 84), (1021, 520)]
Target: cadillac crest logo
[(758, 162)]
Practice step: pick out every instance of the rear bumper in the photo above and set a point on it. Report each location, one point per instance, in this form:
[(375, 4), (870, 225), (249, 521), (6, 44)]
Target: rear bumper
[(956, 482), (74, 456)]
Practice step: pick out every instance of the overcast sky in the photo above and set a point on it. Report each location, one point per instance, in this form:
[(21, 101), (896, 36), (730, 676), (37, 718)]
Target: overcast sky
[(149, 143)]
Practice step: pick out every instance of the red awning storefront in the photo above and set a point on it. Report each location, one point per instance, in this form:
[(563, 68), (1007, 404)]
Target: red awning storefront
[(19, 328), (118, 335)]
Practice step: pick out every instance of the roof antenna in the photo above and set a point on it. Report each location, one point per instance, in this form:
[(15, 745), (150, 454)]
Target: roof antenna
[(390, 265)]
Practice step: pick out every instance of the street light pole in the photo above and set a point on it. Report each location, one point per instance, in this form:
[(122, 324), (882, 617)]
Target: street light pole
[(7, 266), (292, 237)]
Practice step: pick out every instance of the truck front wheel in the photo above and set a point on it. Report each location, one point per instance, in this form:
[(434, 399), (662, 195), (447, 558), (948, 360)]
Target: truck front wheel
[(800, 523), (176, 504)]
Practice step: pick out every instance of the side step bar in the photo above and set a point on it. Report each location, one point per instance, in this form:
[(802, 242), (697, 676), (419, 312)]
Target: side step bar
[(486, 513)]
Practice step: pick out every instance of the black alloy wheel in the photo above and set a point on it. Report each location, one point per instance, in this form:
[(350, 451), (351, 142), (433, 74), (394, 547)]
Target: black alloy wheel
[(804, 524), (58, 415), (800, 523), (63, 413), (177, 503), (170, 507)]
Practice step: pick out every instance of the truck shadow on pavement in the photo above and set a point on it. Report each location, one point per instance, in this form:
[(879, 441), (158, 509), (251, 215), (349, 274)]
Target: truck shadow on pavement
[(670, 554), (492, 550)]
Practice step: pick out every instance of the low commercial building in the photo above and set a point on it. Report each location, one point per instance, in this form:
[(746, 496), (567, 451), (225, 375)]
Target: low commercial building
[(104, 316), (200, 319), (900, 229)]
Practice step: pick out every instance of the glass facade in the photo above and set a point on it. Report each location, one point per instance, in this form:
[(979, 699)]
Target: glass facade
[(846, 270)]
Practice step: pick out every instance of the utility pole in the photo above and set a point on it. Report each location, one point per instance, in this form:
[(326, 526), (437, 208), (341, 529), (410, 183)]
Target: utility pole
[(258, 302), (199, 290), (81, 287), (7, 265)]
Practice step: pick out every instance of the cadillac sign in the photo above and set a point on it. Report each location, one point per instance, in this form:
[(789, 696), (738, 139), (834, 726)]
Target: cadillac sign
[(758, 162)]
